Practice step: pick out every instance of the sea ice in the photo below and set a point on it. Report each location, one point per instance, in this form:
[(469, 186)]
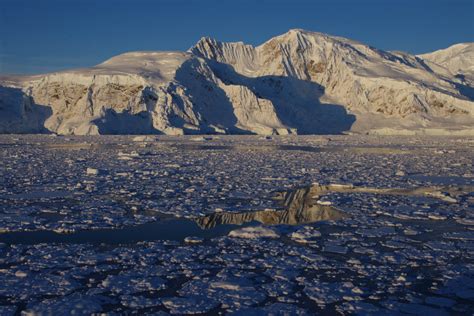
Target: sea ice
[(254, 233)]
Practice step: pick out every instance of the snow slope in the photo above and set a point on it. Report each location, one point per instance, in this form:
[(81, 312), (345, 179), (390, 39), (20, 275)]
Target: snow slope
[(457, 58), (299, 82)]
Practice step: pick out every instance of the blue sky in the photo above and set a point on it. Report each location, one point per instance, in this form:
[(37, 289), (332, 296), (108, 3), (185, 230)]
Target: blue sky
[(46, 35)]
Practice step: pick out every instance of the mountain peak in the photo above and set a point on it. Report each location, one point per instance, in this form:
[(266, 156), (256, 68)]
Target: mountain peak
[(297, 35), (207, 39), (298, 31)]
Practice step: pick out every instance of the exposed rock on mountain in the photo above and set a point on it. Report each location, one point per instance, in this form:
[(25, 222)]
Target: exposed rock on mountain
[(299, 82)]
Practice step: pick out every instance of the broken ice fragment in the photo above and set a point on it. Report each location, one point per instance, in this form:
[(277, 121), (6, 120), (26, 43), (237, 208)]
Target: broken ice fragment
[(92, 171), (193, 240), (253, 233), (305, 235)]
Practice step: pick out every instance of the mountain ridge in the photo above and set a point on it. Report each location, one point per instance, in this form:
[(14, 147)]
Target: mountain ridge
[(298, 82)]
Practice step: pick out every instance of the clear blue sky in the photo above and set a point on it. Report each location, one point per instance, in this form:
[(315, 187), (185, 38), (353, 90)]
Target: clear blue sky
[(45, 35)]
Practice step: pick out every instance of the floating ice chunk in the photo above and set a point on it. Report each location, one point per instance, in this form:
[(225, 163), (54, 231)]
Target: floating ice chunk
[(122, 174), (328, 247), (38, 284), (129, 284), (393, 244), (361, 308), (285, 274), (440, 195), (376, 231), (466, 221), (64, 230), (139, 302), (273, 179), (305, 235), (75, 304), (201, 138), (467, 245), (254, 233), (459, 235), (144, 138), (193, 240), (437, 217), (410, 232), (462, 286), (125, 156), (191, 305), (232, 292), (172, 165), (226, 286), (327, 293), (92, 171), (273, 310), (278, 288), (21, 274)]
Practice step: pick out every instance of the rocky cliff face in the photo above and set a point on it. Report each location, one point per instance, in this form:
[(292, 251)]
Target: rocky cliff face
[(299, 82)]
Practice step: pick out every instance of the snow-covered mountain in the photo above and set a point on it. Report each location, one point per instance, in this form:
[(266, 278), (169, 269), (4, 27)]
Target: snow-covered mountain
[(457, 59), (299, 82)]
